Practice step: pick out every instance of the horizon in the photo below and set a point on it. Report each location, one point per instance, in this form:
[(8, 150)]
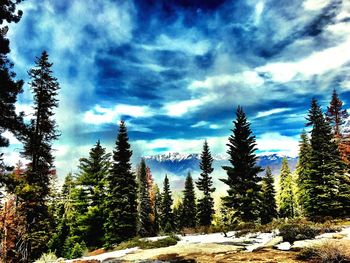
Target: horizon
[(175, 71)]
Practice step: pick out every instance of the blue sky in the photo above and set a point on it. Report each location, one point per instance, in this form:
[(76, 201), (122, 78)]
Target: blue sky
[(176, 70)]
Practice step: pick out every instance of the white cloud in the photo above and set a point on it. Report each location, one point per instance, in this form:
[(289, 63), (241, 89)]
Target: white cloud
[(187, 44), (315, 5), (200, 124), (250, 78), (271, 112), (316, 64), (12, 139), (179, 108), (99, 115), (272, 141)]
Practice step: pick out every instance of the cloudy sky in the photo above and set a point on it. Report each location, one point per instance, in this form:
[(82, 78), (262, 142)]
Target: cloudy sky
[(175, 70)]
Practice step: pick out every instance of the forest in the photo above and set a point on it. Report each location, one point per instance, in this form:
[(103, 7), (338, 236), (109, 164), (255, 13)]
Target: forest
[(110, 200)]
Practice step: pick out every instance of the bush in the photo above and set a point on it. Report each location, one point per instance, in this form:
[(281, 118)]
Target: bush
[(47, 258), (329, 252), (78, 250), (293, 232), (146, 244)]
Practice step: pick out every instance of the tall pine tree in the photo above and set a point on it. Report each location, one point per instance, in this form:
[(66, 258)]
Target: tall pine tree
[(205, 185), (326, 168), (91, 180), (303, 169), (144, 208), (121, 204), (189, 209), (41, 133), (244, 190), (166, 213), (268, 208), (286, 198)]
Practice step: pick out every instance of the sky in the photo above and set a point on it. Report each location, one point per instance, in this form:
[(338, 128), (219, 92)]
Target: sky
[(175, 70)]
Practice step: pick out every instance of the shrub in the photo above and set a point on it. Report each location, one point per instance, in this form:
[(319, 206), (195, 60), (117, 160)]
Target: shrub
[(49, 257), (146, 244), (329, 252), (78, 250), (293, 232)]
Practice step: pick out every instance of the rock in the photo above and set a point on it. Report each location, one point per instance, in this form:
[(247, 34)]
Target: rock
[(284, 246), (275, 241)]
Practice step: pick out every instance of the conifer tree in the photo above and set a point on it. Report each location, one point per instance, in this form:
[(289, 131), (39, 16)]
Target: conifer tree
[(286, 192), (92, 182), (144, 208), (178, 219), (156, 208), (121, 204), (205, 185), (166, 213), (335, 114), (326, 169), (189, 210), (244, 190), (10, 87), (268, 208), (303, 169), (41, 133)]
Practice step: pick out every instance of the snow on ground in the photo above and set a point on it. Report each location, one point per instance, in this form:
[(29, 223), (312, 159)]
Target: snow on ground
[(107, 255)]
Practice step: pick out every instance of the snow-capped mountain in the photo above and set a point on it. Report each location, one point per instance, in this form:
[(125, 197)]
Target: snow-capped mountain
[(180, 164)]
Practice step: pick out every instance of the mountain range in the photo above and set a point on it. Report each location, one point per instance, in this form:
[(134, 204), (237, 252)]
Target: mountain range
[(180, 164)]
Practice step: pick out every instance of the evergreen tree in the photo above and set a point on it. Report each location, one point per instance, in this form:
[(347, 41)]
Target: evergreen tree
[(268, 208), (286, 193), (64, 206), (156, 208), (121, 205), (166, 214), (189, 210), (335, 114), (10, 88), (303, 169), (144, 208), (244, 190), (205, 185), (178, 218), (41, 133), (326, 169), (92, 182)]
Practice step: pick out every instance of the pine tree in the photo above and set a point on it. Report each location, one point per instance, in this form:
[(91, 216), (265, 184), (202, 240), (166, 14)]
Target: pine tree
[(41, 133), (268, 202), (335, 114), (92, 182), (178, 218), (326, 168), (244, 190), (156, 208), (10, 88), (303, 169), (189, 210), (286, 193), (144, 208), (166, 213), (121, 205), (205, 185)]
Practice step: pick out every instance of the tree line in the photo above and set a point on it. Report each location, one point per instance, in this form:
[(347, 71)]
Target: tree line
[(108, 202)]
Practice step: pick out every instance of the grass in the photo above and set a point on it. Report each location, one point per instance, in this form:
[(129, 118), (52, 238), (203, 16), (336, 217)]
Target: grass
[(329, 252), (146, 244)]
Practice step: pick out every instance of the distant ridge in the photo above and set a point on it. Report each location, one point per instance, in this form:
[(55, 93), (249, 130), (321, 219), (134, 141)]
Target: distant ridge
[(180, 164)]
